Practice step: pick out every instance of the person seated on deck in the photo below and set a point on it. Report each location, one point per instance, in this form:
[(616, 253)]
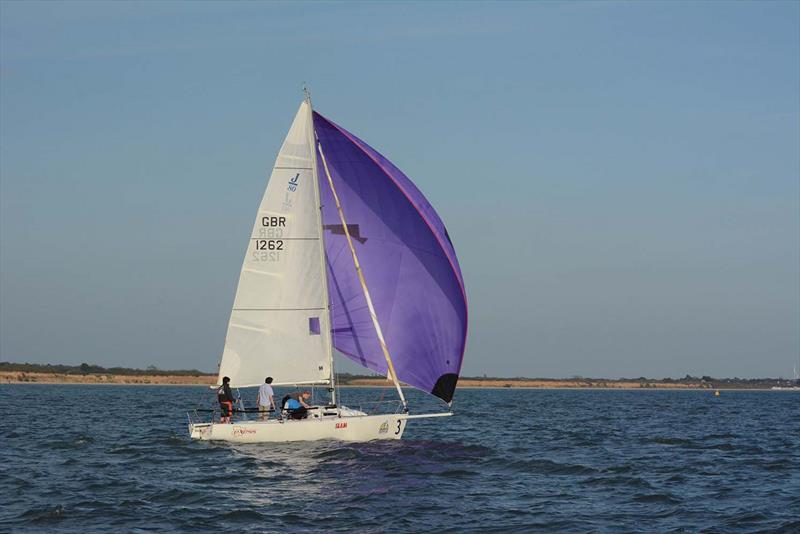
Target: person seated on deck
[(225, 398), (296, 406)]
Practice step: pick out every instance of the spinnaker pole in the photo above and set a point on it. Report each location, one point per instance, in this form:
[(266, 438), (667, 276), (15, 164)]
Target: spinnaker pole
[(373, 315)]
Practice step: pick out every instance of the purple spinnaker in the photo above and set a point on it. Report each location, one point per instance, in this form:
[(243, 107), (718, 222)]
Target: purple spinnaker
[(408, 262)]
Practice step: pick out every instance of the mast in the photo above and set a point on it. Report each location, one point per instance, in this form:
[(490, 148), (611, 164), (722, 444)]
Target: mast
[(364, 288), (327, 301)]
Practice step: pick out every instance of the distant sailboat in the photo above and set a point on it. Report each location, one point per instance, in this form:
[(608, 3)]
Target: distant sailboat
[(345, 253), (795, 384)]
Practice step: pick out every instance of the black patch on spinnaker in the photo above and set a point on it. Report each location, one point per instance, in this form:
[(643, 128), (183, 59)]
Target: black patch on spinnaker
[(445, 387), (352, 229)]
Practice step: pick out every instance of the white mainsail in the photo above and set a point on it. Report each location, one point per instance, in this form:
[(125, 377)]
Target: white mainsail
[(279, 325)]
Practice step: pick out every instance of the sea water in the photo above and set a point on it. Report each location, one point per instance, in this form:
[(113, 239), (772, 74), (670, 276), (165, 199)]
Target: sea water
[(93, 458)]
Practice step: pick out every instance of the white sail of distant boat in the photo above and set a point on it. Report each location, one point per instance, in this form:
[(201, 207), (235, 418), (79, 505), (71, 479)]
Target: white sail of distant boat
[(345, 253), (794, 385)]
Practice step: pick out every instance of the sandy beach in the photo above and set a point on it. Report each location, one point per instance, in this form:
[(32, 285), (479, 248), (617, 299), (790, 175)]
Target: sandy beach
[(19, 377)]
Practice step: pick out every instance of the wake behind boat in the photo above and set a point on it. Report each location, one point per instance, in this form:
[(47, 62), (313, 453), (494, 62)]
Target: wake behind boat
[(347, 254)]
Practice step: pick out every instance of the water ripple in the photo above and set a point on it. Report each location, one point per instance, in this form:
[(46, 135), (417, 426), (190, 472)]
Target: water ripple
[(571, 461)]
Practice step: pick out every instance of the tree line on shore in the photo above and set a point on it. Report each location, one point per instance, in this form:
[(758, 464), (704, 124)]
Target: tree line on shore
[(345, 378), (91, 369)]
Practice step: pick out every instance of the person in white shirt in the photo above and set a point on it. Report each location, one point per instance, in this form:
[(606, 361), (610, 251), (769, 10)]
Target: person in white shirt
[(266, 398)]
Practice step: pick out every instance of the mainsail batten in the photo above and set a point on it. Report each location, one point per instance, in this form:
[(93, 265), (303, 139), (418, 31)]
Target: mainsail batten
[(413, 275)]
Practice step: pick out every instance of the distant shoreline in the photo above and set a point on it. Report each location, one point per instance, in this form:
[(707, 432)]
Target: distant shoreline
[(21, 377), (164, 379)]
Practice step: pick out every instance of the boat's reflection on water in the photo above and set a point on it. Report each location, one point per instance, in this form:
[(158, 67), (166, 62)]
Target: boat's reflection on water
[(343, 472), (319, 470)]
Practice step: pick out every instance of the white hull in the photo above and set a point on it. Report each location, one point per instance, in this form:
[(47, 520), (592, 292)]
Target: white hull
[(345, 428), (349, 425)]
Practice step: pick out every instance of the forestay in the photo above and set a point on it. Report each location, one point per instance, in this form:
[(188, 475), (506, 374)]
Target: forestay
[(279, 323)]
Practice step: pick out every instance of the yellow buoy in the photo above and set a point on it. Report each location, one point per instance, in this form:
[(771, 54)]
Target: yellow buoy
[(716, 393)]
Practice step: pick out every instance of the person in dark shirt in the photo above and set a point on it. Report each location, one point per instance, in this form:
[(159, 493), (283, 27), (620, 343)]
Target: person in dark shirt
[(225, 398)]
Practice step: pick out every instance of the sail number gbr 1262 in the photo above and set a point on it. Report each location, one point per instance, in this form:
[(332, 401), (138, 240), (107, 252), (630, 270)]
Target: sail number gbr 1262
[(268, 246), (271, 226)]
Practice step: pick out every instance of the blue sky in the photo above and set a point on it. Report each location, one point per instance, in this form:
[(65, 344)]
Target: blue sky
[(621, 180)]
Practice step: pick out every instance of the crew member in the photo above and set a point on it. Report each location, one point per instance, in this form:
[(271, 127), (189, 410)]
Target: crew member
[(225, 398), (266, 399), (296, 404)]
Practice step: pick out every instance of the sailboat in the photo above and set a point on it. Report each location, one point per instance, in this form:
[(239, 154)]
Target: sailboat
[(345, 254), (793, 385)]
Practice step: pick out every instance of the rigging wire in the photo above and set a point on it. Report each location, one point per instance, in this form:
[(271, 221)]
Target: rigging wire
[(375, 408)]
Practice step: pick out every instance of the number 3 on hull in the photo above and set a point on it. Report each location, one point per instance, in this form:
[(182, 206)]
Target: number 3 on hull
[(347, 254)]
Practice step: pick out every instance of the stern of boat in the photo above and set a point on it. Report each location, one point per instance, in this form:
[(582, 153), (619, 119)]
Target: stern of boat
[(201, 431)]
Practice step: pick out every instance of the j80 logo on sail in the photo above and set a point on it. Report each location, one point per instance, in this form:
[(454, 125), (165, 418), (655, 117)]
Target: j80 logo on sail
[(293, 183)]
